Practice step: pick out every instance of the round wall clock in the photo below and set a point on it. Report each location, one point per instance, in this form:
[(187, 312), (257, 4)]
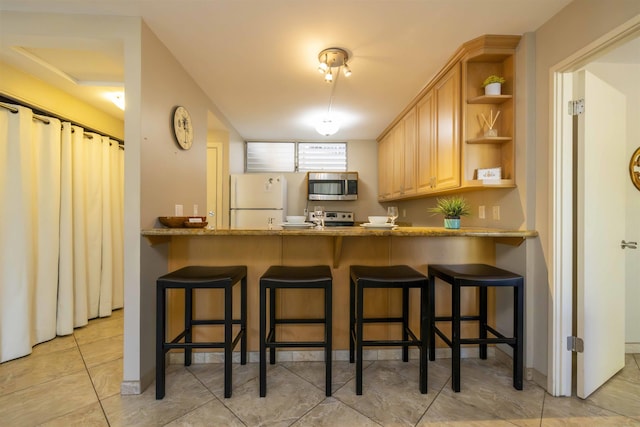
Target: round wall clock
[(182, 127)]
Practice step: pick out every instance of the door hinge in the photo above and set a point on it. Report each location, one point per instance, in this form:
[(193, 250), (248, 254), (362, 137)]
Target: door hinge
[(575, 344), (576, 107)]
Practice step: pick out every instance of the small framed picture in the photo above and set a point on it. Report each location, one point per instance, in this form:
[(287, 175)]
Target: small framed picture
[(491, 173)]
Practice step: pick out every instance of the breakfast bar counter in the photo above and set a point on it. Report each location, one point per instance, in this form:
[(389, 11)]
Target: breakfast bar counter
[(338, 247)]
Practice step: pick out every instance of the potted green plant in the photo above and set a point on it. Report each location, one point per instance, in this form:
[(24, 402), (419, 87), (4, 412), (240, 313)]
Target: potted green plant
[(452, 208), (493, 85)]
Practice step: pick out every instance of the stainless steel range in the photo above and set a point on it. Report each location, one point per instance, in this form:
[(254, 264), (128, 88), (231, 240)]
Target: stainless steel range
[(335, 218)]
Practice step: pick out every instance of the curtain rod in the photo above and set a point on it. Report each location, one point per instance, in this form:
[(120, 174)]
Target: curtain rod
[(38, 113)]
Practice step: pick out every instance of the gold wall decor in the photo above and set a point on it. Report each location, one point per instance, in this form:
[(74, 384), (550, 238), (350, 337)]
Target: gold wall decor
[(634, 168)]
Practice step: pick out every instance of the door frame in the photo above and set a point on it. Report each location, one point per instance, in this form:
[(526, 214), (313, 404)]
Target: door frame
[(561, 271)]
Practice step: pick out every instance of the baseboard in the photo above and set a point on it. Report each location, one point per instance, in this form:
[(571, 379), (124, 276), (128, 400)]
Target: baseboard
[(632, 347), (137, 387), (177, 358)]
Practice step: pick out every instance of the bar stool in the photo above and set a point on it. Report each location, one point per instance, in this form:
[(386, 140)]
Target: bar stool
[(396, 276), (285, 277), (481, 276), (198, 277)]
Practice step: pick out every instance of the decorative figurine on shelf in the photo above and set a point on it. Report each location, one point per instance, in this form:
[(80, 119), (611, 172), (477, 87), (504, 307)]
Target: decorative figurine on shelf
[(493, 85), (491, 132), (452, 208)]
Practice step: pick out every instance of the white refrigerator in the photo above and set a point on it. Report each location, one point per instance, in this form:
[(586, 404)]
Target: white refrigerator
[(257, 200)]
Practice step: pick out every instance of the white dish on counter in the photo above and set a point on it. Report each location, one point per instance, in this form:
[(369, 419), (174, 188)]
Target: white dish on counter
[(385, 226), (297, 225)]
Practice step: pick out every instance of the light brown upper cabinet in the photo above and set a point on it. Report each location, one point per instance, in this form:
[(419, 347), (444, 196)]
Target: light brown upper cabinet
[(439, 143), (396, 160), (439, 136)]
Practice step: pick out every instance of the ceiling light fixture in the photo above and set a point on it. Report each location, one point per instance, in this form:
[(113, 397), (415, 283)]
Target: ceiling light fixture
[(331, 58)]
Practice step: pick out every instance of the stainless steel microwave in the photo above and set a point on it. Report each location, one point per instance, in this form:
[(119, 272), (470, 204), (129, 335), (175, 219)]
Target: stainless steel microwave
[(332, 185)]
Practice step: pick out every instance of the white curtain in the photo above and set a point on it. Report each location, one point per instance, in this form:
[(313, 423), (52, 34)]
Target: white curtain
[(61, 229)]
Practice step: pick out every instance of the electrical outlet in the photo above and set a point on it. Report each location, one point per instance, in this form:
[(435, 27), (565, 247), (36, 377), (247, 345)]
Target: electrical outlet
[(496, 212), (481, 212)]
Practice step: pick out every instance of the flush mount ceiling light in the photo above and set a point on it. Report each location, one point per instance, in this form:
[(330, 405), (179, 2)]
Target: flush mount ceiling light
[(333, 57)]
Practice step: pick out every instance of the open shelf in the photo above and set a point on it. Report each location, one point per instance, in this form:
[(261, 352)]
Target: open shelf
[(489, 140), (489, 99), (498, 183)]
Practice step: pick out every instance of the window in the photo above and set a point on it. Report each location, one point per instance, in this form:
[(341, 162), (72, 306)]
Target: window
[(270, 157), (322, 157), (295, 157)]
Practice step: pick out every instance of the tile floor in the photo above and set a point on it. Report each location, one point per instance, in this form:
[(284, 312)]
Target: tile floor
[(75, 380)]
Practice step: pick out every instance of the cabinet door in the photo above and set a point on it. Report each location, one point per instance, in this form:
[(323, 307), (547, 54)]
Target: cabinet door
[(385, 165), (446, 148), (410, 137), (424, 152), (396, 157)]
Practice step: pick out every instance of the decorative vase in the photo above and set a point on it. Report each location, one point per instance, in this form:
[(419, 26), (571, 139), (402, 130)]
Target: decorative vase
[(452, 223), (489, 133), (493, 89)]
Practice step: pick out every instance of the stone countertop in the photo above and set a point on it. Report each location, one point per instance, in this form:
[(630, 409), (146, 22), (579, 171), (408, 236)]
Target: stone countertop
[(346, 232)]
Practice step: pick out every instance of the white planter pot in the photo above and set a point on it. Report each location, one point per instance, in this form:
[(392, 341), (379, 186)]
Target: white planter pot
[(493, 89)]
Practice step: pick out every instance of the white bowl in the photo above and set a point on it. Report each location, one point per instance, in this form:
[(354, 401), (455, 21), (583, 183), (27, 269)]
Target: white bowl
[(378, 219), (296, 219)]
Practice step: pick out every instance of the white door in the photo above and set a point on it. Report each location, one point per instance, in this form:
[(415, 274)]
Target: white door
[(601, 177)]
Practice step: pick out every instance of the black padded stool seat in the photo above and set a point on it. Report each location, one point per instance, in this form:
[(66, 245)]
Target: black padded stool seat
[(481, 276), (201, 277), (279, 277), (395, 276)]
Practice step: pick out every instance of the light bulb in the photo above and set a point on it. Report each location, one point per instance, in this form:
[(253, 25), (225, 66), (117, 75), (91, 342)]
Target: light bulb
[(328, 77), (322, 68), (347, 70)]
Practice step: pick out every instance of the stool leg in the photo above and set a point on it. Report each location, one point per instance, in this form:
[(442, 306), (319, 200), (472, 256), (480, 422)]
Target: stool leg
[(455, 335), (328, 332), (243, 320), (482, 324), (432, 316), (228, 338), (160, 337), (352, 319), (272, 323), (424, 322), (518, 330), (188, 316), (263, 337), (359, 332), (405, 323)]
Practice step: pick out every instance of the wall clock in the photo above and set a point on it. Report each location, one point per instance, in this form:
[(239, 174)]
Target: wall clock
[(182, 127)]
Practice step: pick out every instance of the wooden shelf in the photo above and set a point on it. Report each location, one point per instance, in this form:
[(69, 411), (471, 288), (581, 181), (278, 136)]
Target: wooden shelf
[(502, 183), (489, 140), (489, 99)]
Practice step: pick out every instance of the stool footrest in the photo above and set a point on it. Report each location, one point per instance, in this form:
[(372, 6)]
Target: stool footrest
[(299, 321), (289, 344), (196, 322), (382, 320), (449, 318)]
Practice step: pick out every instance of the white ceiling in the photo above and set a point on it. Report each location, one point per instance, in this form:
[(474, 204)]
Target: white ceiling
[(257, 59)]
